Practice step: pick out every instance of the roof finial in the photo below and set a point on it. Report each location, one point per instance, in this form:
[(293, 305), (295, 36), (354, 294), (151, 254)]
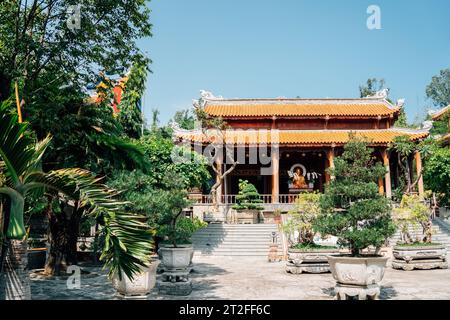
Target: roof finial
[(207, 95), (382, 94), (400, 103)]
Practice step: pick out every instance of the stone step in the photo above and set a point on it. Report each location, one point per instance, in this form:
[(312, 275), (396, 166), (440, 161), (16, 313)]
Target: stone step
[(235, 240)]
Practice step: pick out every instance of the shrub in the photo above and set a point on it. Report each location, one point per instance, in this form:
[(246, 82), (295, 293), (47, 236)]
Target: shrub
[(248, 197), (299, 227), (184, 229), (413, 211), (352, 208)]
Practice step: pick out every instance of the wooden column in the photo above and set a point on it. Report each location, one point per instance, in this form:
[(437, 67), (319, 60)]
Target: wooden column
[(275, 154), (419, 173), (381, 186), (387, 177), (330, 160), (219, 166)]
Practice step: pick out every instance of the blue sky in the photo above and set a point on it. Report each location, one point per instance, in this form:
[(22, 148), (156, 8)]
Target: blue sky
[(290, 48)]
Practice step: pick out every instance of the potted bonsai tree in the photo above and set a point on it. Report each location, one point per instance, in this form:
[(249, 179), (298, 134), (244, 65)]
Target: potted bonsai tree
[(353, 210), (248, 203), (416, 251), (179, 236), (304, 255)]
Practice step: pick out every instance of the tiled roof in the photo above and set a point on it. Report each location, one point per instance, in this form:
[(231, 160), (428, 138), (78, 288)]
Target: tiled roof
[(445, 140), (239, 108), (303, 137), (439, 114)]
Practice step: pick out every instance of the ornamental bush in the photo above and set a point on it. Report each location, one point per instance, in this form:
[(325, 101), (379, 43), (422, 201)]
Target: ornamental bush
[(299, 228), (351, 208), (411, 213), (248, 197)]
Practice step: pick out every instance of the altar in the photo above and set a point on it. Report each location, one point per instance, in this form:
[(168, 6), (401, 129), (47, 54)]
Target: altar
[(301, 181)]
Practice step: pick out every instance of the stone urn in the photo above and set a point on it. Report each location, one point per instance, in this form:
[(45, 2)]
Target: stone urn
[(247, 216), (309, 260), (357, 276), (420, 257), (176, 258), (142, 283)]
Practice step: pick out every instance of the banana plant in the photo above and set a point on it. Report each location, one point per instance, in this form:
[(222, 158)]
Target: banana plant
[(128, 240)]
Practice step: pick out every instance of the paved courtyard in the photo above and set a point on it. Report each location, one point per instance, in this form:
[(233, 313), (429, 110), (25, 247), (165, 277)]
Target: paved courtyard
[(252, 278)]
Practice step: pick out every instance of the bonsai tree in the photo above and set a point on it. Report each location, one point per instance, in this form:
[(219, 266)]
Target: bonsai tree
[(183, 230), (413, 212), (248, 197), (352, 208), (299, 228)]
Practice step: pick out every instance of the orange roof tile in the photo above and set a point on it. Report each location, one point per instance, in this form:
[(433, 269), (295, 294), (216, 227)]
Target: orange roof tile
[(303, 137), (304, 110), (439, 114)]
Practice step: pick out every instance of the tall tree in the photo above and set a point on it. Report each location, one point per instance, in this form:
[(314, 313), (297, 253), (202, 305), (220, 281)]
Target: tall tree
[(439, 89), (131, 108), (78, 38)]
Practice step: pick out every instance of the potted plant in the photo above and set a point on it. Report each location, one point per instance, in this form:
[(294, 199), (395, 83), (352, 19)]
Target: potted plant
[(248, 203), (353, 210), (304, 255), (184, 229), (416, 251)]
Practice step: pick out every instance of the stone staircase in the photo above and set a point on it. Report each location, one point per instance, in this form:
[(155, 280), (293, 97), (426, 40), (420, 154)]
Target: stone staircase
[(235, 240), (441, 233)]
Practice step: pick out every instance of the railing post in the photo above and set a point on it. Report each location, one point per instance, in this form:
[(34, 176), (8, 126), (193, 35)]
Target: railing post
[(275, 174)]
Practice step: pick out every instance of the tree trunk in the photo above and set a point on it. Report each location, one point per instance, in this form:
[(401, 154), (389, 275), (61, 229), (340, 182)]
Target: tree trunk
[(63, 237), (15, 280)]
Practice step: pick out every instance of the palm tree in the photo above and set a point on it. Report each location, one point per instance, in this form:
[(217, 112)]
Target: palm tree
[(128, 241)]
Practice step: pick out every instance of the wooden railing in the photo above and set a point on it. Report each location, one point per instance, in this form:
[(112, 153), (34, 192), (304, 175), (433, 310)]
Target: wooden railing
[(231, 199)]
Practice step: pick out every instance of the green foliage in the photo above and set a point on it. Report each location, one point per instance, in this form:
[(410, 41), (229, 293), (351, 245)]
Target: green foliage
[(36, 39), (411, 212), (161, 194), (307, 208), (437, 173), (185, 119), (184, 229), (248, 197), (130, 115), (128, 241), (371, 87), (352, 208), (439, 88), (402, 120), (161, 151), (441, 126)]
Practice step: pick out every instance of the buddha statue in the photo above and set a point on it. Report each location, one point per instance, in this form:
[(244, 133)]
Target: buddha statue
[(298, 181)]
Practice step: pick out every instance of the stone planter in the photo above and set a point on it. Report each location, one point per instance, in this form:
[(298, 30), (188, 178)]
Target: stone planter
[(141, 285), (214, 217), (310, 261), (176, 258), (247, 216), (419, 257), (357, 276), (37, 258)]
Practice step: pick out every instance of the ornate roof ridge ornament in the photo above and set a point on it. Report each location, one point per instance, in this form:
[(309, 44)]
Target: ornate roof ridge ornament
[(400, 103), (382, 94), (208, 95)]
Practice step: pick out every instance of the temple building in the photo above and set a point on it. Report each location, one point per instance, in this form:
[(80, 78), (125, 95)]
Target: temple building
[(442, 115), (308, 135)]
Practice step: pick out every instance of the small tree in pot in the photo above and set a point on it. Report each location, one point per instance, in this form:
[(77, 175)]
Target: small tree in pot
[(248, 203), (304, 255), (353, 210), (416, 251)]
